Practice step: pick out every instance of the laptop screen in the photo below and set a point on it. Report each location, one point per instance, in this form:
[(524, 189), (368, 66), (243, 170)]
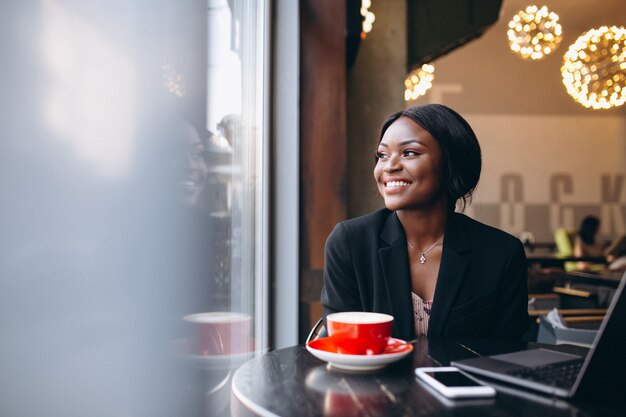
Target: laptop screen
[(604, 369)]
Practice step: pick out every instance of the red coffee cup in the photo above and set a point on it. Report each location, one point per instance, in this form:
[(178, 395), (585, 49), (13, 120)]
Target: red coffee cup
[(359, 333), (219, 333)]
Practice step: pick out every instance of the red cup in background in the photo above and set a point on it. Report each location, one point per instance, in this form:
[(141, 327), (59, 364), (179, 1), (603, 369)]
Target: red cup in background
[(359, 333), (219, 333)]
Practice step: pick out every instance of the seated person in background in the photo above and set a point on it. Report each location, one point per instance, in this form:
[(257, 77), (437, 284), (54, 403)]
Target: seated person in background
[(438, 272), (586, 244), (616, 254)]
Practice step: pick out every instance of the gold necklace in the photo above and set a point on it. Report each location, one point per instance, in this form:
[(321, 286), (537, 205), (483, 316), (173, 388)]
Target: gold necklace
[(423, 256)]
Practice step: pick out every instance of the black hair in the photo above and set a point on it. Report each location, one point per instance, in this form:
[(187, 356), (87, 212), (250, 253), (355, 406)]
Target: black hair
[(460, 151), (588, 229)]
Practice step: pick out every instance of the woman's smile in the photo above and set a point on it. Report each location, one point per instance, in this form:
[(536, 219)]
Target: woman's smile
[(394, 185)]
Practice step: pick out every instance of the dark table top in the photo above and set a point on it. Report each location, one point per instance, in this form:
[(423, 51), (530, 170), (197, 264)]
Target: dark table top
[(612, 278), (292, 382), (547, 260)]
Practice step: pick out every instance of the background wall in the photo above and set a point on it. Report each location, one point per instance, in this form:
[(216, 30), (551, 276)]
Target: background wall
[(548, 161)]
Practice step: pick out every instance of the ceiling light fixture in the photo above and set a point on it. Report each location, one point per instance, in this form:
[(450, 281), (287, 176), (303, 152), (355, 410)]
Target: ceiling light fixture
[(534, 33), (594, 68), (368, 18), (419, 81)]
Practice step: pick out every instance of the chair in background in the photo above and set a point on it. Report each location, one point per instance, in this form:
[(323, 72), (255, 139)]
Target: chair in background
[(576, 298), (581, 295), (564, 240), (318, 330)]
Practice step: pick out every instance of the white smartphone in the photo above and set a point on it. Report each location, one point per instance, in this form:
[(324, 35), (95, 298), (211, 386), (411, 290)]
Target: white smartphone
[(452, 383)]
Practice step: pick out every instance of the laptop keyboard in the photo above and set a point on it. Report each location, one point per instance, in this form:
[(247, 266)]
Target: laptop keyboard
[(562, 374)]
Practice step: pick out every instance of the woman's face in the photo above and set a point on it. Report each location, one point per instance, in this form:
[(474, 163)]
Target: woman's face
[(408, 171)]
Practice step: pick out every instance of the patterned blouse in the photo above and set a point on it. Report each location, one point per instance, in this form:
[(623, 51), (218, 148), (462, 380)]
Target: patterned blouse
[(421, 314)]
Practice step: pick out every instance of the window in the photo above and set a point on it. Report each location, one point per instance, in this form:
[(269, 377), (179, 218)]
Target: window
[(134, 160)]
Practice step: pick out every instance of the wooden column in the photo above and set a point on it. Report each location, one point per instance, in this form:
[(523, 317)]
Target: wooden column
[(323, 141)]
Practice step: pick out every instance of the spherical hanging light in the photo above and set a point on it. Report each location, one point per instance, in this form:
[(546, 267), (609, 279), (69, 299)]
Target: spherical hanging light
[(418, 82), (594, 68), (534, 33)]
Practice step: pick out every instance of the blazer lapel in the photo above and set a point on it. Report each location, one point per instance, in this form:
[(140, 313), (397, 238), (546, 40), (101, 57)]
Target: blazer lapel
[(454, 261), (394, 261)]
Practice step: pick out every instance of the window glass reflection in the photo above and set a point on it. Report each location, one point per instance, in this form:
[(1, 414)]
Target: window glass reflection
[(130, 180)]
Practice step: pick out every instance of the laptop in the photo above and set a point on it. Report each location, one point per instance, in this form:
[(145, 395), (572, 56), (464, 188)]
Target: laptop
[(567, 372)]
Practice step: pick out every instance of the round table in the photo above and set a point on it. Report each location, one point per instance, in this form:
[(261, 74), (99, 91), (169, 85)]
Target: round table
[(292, 382)]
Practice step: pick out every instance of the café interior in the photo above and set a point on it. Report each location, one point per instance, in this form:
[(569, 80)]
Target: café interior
[(172, 170)]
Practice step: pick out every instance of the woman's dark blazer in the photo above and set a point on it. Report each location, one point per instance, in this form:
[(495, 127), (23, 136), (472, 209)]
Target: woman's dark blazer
[(481, 290)]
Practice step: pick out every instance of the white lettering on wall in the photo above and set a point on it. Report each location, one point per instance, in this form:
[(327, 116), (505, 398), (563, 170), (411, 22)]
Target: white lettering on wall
[(512, 207), (561, 215), (611, 211)]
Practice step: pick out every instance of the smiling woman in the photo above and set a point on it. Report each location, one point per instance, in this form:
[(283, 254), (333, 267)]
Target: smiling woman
[(437, 271)]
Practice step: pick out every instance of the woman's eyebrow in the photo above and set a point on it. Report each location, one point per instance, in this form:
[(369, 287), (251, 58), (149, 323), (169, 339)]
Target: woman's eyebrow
[(406, 142), (409, 141)]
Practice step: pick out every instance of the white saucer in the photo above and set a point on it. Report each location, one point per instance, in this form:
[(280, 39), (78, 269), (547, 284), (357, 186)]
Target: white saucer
[(324, 349)]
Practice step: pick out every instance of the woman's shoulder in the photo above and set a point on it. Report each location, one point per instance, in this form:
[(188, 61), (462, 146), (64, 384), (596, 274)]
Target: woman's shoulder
[(362, 227), (477, 230), (377, 217)]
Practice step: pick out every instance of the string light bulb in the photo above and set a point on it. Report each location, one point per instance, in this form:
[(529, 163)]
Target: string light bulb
[(534, 33), (419, 81), (594, 68), (368, 18)]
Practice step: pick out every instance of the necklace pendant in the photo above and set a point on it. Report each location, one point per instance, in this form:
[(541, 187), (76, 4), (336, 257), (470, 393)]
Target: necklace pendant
[(423, 258)]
